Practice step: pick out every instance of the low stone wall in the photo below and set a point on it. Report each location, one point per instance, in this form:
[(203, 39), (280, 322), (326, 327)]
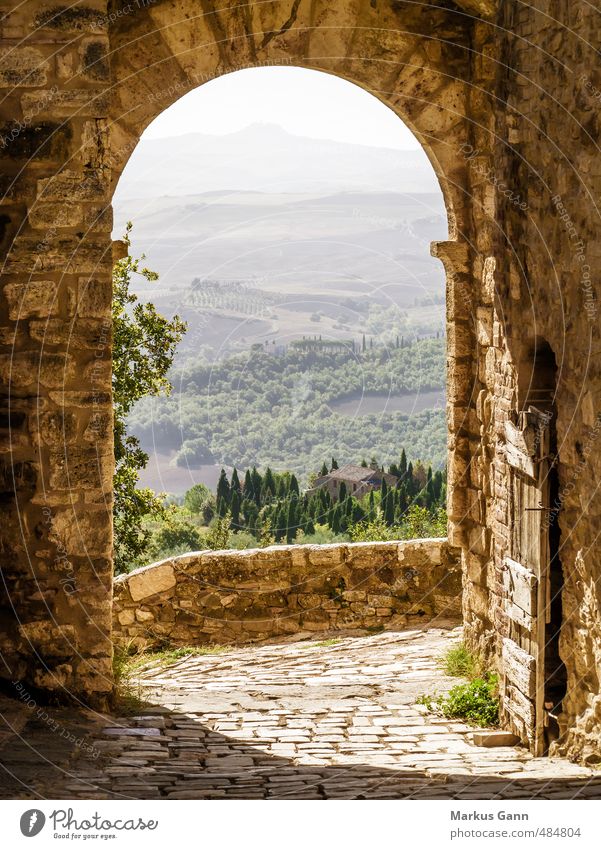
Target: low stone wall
[(233, 597)]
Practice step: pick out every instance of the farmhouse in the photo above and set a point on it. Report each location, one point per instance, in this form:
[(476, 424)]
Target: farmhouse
[(358, 480)]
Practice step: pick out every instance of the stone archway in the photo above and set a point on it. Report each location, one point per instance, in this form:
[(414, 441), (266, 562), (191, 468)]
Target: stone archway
[(81, 111)]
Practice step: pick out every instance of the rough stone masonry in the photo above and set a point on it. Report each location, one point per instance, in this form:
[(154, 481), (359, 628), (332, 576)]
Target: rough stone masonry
[(238, 597), (504, 98)]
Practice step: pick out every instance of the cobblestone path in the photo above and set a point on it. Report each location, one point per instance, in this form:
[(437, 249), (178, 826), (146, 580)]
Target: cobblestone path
[(329, 720)]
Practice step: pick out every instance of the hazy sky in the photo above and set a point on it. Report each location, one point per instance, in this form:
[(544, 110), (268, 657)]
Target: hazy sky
[(303, 102)]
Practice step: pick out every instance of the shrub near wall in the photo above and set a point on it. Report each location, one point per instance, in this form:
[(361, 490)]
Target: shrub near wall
[(234, 597)]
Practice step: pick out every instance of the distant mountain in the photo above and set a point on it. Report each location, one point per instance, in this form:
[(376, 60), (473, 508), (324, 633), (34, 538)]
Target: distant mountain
[(266, 158), (313, 234)]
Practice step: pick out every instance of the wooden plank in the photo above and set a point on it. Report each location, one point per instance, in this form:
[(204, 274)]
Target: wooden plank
[(520, 461), (519, 667), (519, 616), (520, 586), (523, 440), (516, 704)]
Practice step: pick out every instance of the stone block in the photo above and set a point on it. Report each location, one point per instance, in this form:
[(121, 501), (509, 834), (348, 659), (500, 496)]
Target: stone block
[(87, 534), (87, 103), (34, 299), (126, 617), (492, 739), (94, 298), (23, 67), (54, 428), (151, 580), (144, 616), (81, 468), (77, 334), (47, 215), (36, 368)]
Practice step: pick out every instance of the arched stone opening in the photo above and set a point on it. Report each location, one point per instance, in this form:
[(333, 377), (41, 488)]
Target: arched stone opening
[(131, 64)]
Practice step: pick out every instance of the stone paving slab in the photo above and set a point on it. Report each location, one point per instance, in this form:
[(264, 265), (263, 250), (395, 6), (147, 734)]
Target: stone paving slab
[(303, 721)]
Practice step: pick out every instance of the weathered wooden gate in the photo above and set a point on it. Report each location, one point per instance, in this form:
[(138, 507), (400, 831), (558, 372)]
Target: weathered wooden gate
[(526, 584)]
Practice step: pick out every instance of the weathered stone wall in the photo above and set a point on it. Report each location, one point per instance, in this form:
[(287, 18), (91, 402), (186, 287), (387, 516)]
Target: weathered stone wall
[(230, 597), (554, 123), (55, 351), (80, 82), (537, 140)]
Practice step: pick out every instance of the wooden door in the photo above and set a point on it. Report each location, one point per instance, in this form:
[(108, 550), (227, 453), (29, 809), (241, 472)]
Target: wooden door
[(526, 585)]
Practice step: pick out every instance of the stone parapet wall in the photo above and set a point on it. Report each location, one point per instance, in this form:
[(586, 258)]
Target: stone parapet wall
[(231, 597)]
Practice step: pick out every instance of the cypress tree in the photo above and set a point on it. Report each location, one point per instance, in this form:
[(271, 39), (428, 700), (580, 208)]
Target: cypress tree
[(402, 500), (430, 497), (268, 487), (336, 520), (222, 507), (291, 523), (294, 489), (334, 465), (410, 482), (403, 464), (235, 484), (389, 508), (372, 505), (342, 491), (324, 471), (235, 508), (358, 514), (384, 489), (223, 488), (248, 485), (257, 480), (363, 345), (280, 523)]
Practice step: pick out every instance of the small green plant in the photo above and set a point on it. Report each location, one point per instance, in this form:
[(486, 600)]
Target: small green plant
[(477, 702), (127, 698), (459, 662), (325, 643), (218, 535), (425, 700), (129, 660), (370, 530), (167, 656)]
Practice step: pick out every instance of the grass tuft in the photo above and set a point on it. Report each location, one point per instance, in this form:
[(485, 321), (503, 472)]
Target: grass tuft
[(127, 660), (459, 662)]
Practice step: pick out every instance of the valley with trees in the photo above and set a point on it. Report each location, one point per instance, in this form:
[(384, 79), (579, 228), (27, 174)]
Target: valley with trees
[(296, 325)]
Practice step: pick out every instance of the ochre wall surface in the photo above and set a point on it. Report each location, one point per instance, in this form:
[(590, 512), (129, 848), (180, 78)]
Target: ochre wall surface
[(232, 597), (504, 99)]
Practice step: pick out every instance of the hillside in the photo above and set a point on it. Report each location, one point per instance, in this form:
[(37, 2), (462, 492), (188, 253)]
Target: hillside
[(283, 410)]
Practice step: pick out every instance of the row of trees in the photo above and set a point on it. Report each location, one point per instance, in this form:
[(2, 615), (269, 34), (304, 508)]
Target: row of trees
[(272, 504)]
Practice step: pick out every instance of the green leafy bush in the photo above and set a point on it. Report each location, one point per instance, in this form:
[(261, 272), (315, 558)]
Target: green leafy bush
[(371, 530), (477, 702), (419, 523)]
